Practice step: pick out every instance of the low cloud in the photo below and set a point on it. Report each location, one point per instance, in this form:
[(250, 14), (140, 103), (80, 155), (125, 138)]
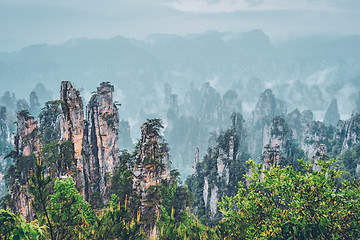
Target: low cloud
[(227, 6)]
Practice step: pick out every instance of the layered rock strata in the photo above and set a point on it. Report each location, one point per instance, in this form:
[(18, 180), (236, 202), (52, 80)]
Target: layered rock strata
[(72, 124), (101, 141), (348, 132), (151, 168), (27, 142)]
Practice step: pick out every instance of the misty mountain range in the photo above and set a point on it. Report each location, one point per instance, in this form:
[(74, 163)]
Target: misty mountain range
[(306, 73)]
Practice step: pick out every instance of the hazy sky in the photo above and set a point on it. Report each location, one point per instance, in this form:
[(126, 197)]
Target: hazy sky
[(37, 21)]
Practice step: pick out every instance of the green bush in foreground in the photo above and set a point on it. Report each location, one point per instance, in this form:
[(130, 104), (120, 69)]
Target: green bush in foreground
[(285, 204), (15, 227), (280, 203)]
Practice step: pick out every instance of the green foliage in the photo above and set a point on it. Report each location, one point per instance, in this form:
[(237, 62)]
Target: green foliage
[(66, 215), (349, 161), (174, 221), (122, 180), (156, 146), (188, 228), (154, 126), (69, 213), (114, 223), (285, 204), (49, 121), (174, 196), (19, 171), (25, 114), (208, 169), (59, 158), (15, 227), (39, 188)]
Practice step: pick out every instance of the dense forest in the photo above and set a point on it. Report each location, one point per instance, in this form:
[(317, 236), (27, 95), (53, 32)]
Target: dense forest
[(277, 175)]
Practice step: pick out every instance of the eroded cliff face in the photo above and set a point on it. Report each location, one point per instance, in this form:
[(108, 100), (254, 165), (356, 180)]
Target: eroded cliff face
[(5, 134), (298, 121), (152, 163), (230, 104), (6, 145), (265, 110), (72, 119), (220, 170), (72, 125), (27, 142), (210, 104), (152, 166), (314, 134), (239, 126), (27, 138), (348, 132), (101, 141), (268, 107), (73, 139), (196, 160), (320, 154), (278, 142)]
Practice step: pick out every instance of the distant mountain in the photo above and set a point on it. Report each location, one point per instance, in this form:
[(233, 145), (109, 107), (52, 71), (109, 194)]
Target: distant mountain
[(307, 73), (321, 47), (10, 45)]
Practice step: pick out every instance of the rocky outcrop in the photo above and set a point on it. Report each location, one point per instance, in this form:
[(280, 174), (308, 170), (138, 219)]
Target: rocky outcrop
[(298, 121), (151, 168), (210, 104), (5, 133), (6, 145), (229, 104), (101, 141), (320, 154), (27, 138), (239, 126), (196, 160), (93, 149), (348, 133), (268, 107), (220, 170), (72, 119), (72, 124), (265, 110), (27, 142), (153, 162), (332, 115), (314, 134), (278, 142)]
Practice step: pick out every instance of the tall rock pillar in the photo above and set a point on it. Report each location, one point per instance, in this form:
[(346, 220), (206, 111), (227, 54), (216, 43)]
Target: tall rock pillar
[(101, 141), (72, 124), (27, 141)]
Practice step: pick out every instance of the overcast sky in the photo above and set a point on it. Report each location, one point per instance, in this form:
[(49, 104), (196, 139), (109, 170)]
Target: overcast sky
[(56, 21)]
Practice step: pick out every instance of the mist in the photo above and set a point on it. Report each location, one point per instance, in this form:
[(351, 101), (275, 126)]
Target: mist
[(306, 52)]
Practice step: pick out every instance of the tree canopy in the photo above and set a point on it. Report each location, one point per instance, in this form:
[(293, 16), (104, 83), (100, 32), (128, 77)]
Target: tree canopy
[(282, 203)]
